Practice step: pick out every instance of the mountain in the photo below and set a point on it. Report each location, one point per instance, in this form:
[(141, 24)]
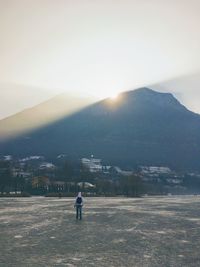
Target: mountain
[(141, 127)]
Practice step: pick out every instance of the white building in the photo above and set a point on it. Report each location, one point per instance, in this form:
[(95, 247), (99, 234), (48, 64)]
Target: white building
[(94, 165), (155, 170), (31, 158), (8, 157), (86, 185), (47, 165), (123, 172)]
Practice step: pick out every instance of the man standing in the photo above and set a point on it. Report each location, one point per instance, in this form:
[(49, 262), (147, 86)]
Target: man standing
[(79, 205)]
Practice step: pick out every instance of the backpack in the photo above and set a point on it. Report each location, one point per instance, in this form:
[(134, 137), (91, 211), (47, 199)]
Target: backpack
[(79, 200)]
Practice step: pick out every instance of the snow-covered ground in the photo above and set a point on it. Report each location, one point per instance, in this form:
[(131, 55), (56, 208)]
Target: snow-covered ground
[(145, 232)]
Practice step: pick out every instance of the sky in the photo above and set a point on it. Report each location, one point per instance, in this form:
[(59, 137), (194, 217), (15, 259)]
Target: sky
[(97, 48)]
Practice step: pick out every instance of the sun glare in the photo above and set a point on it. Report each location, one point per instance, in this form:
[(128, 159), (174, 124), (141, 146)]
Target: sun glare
[(114, 96)]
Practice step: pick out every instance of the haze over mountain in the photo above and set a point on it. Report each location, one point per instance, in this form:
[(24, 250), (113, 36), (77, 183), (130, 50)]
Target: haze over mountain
[(42, 114), (16, 97), (141, 127), (185, 88)]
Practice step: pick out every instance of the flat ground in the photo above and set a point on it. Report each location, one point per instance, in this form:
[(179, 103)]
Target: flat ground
[(159, 231)]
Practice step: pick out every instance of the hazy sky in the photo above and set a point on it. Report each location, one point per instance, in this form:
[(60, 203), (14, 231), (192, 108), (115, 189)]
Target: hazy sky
[(97, 47)]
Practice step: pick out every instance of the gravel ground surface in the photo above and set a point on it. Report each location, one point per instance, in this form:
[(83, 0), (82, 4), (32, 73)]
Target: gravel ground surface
[(149, 232)]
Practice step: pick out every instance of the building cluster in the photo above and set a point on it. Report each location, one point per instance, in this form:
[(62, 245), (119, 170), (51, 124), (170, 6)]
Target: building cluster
[(40, 173), (95, 166)]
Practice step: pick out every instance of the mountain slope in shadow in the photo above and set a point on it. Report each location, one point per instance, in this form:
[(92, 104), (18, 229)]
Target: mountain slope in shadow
[(142, 127)]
